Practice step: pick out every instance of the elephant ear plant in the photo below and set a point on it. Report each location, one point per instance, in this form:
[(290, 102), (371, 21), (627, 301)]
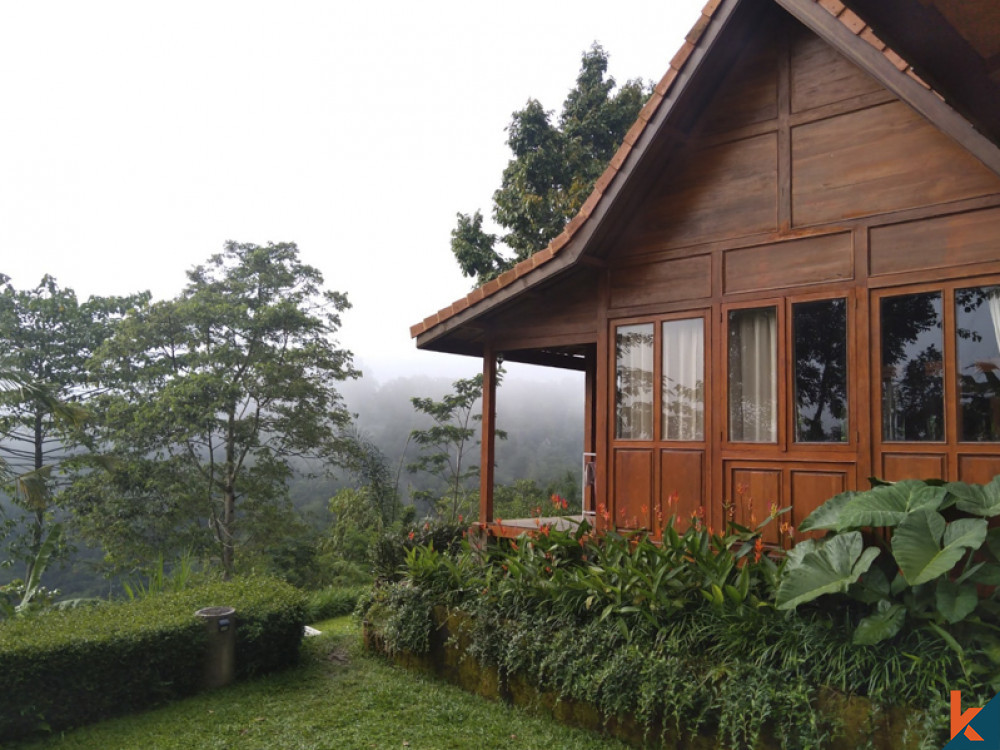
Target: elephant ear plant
[(909, 552)]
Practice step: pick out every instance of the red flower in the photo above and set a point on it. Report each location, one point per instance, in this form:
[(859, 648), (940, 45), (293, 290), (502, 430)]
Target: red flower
[(410, 535)]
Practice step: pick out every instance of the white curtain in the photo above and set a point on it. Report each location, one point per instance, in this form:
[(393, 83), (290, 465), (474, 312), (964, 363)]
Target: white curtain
[(993, 297), (753, 377), (634, 377), (683, 379)]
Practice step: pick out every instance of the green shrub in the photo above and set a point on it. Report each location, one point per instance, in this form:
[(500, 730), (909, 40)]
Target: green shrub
[(333, 601), (65, 668), (388, 554), (681, 634)]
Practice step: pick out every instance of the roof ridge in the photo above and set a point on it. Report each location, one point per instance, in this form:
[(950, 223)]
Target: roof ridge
[(604, 182)]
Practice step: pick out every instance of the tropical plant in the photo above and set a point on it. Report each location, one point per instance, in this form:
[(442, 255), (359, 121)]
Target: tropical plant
[(908, 552)]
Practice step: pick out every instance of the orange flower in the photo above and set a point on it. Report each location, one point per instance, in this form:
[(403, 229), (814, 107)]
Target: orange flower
[(513, 545), (410, 536), (545, 529), (758, 547), (460, 519)]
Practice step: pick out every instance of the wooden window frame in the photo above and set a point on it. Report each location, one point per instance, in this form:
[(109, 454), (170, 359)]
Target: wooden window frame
[(785, 443), (951, 446)]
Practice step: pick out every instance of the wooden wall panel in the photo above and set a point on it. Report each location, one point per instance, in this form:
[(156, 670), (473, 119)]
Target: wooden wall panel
[(896, 466), (633, 490), (723, 191), (821, 75), (749, 94), (877, 160), (978, 469), (941, 242), (666, 281), (808, 261), (683, 473), (810, 488), (753, 490)]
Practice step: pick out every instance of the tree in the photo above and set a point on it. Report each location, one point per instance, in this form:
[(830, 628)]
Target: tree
[(48, 336), (211, 396), (552, 171), (445, 447)]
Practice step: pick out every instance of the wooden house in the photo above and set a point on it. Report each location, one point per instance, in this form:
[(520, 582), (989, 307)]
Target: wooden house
[(788, 278)]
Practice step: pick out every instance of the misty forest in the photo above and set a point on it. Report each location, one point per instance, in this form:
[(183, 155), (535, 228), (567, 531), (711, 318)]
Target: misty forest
[(224, 432)]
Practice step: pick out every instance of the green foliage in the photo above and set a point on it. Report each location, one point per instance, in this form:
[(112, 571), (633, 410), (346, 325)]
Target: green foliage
[(333, 601), (339, 696), (388, 554), (210, 397), (445, 447), (553, 169), (60, 669), (925, 577), (162, 578), (681, 635), (47, 337)]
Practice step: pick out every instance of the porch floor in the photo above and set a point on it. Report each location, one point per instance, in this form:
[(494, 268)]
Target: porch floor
[(513, 527)]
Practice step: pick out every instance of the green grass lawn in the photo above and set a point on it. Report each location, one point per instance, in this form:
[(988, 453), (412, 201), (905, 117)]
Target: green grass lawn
[(338, 697)]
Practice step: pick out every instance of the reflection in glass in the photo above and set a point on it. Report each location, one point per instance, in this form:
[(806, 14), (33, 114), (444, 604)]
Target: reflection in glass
[(753, 381), (683, 380), (977, 322), (819, 331), (634, 382), (912, 367)]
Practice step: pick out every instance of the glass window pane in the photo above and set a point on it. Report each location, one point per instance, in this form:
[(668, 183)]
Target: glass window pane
[(753, 381), (819, 331), (634, 382), (912, 371), (977, 321), (684, 380)]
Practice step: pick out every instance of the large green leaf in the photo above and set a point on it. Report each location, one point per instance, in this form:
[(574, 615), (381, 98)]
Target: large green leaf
[(829, 568), (884, 505), (883, 624), (980, 500), (889, 504), (955, 601), (925, 547), (827, 516)]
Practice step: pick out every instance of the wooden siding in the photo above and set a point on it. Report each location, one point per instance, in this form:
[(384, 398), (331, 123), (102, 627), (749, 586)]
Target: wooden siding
[(803, 180)]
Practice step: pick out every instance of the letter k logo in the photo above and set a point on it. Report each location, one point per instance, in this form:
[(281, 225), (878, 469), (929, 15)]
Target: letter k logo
[(960, 721)]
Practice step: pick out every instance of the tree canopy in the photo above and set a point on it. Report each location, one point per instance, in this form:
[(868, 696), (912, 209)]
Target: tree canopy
[(210, 396), (553, 169)]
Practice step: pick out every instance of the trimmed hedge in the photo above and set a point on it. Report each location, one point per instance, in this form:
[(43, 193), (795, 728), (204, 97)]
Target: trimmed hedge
[(63, 669)]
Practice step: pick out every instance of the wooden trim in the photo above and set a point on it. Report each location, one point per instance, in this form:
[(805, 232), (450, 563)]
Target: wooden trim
[(487, 446), (873, 62)]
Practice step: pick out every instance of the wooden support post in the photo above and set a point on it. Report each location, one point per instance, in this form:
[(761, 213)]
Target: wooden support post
[(488, 455)]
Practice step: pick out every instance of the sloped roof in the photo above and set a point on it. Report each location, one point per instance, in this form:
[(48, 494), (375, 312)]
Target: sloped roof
[(830, 19)]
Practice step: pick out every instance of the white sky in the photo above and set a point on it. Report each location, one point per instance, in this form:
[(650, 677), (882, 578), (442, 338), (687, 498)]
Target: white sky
[(137, 137)]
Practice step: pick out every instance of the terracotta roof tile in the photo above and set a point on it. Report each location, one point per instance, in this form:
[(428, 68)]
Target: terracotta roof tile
[(560, 241), (834, 6), (895, 59), (634, 132), (620, 156), (543, 255), (698, 29), (664, 85), (605, 180), (590, 204), (853, 21), (649, 108), (869, 36), (682, 56), (710, 7), (918, 79), (506, 278)]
